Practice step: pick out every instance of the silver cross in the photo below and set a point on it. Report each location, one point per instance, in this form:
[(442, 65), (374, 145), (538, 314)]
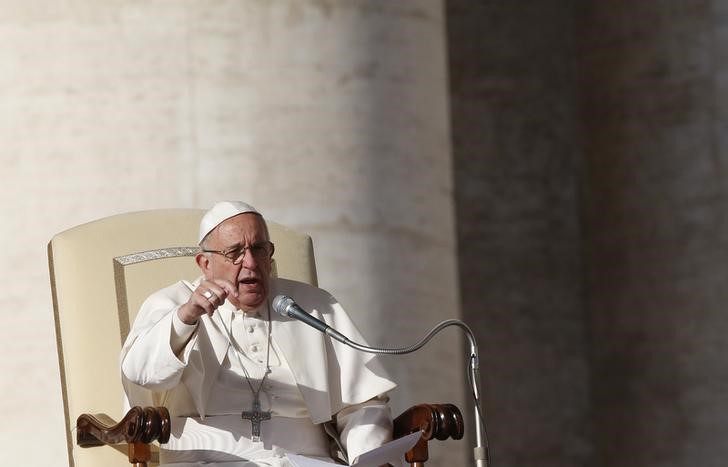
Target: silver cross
[(255, 415)]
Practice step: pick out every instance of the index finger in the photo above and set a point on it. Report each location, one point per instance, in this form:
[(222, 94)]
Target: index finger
[(227, 286)]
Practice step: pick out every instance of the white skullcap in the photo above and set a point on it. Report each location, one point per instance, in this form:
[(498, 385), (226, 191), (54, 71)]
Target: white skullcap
[(220, 212)]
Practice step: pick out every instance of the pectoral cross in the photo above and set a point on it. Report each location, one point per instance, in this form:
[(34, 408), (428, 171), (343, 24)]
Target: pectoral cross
[(255, 415)]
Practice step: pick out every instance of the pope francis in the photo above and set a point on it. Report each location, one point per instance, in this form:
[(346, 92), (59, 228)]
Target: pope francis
[(245, 386)]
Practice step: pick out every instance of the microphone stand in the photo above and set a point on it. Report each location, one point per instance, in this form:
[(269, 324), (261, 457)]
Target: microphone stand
[(481, 452)]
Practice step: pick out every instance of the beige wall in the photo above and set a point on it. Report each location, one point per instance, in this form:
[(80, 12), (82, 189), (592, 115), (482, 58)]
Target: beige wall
[(329, 116)]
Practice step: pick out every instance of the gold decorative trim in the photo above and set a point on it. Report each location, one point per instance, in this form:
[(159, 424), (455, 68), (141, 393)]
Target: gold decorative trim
[(162, 253), (122, 306)]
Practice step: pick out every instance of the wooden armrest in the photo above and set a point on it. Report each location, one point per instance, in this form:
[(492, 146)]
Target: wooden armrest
[(436, 421), (138, 428), (140, 425)]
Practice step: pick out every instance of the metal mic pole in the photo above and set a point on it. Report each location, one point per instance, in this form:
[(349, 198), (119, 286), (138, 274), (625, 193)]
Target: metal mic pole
[(481, 452)]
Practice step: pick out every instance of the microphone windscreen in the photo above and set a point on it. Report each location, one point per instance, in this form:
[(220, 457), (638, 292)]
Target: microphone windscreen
[(281, 304)]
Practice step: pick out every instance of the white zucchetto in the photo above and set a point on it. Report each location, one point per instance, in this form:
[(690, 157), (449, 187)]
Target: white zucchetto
[(220, 212)]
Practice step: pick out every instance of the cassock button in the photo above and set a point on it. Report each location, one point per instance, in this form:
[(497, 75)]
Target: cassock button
[(251, 329)]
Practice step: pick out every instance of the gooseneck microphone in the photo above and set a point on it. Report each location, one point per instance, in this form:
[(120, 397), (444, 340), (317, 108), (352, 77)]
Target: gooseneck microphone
[(285, 306)]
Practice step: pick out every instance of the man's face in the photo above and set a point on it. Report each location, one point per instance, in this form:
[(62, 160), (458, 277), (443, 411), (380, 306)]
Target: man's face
[(252, 275)]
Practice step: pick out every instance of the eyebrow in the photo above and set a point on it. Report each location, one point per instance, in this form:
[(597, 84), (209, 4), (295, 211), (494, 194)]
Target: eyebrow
[(239, 245)]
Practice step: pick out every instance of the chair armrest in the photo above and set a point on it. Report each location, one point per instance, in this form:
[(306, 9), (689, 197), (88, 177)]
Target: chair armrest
[(436, 421), (139, 425)]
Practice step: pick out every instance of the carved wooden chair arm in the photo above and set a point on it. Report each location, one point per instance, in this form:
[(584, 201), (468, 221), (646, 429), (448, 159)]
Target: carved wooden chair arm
[(436, 421), (139, 427)]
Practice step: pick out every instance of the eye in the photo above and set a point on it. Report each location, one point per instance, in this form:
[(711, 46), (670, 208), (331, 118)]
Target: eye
[(234, 254)]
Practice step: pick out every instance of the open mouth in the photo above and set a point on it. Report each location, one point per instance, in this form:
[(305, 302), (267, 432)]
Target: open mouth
[(249, 281)]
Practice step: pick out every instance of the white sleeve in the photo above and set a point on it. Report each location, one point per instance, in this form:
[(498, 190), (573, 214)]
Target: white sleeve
[(364, 426), (181, 333), (149, 358)]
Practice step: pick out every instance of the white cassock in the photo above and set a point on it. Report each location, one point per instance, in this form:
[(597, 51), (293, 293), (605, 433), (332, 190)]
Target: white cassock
[(313, 380)]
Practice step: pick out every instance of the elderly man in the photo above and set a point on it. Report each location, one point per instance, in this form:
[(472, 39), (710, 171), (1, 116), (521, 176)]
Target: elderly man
[(244, 385)]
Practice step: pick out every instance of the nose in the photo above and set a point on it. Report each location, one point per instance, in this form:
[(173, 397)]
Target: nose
[(249, 260)]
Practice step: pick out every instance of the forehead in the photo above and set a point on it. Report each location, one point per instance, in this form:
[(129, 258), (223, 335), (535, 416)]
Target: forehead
[(243, 228)]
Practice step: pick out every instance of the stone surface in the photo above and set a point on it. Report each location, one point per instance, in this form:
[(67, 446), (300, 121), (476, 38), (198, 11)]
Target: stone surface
[(329, 116), (517, 184), (589, 149), (656, 217)]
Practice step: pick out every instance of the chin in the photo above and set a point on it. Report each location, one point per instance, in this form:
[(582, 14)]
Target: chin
[(248, 303)]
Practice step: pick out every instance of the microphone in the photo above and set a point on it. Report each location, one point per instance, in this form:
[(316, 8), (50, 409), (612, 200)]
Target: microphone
[(285, 306)]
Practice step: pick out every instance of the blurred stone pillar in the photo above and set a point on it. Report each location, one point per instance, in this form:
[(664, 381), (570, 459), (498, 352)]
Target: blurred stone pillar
[(332, 117), (515, 127), (654, 93)]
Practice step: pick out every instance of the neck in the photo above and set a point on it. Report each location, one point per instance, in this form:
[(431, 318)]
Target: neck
[(259, 311)]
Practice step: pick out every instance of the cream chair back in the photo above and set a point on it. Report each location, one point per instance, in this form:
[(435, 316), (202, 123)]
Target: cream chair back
[(100, 274)]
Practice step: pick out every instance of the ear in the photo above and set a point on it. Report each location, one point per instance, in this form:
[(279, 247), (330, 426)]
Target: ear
[(203, 262)]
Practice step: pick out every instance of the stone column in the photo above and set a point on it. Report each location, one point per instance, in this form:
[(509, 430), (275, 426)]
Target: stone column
[(515, 128), (330, 116), (653, 82)]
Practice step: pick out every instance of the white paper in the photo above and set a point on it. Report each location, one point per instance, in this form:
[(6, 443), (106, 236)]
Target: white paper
[(392, 451), (302, 461)]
